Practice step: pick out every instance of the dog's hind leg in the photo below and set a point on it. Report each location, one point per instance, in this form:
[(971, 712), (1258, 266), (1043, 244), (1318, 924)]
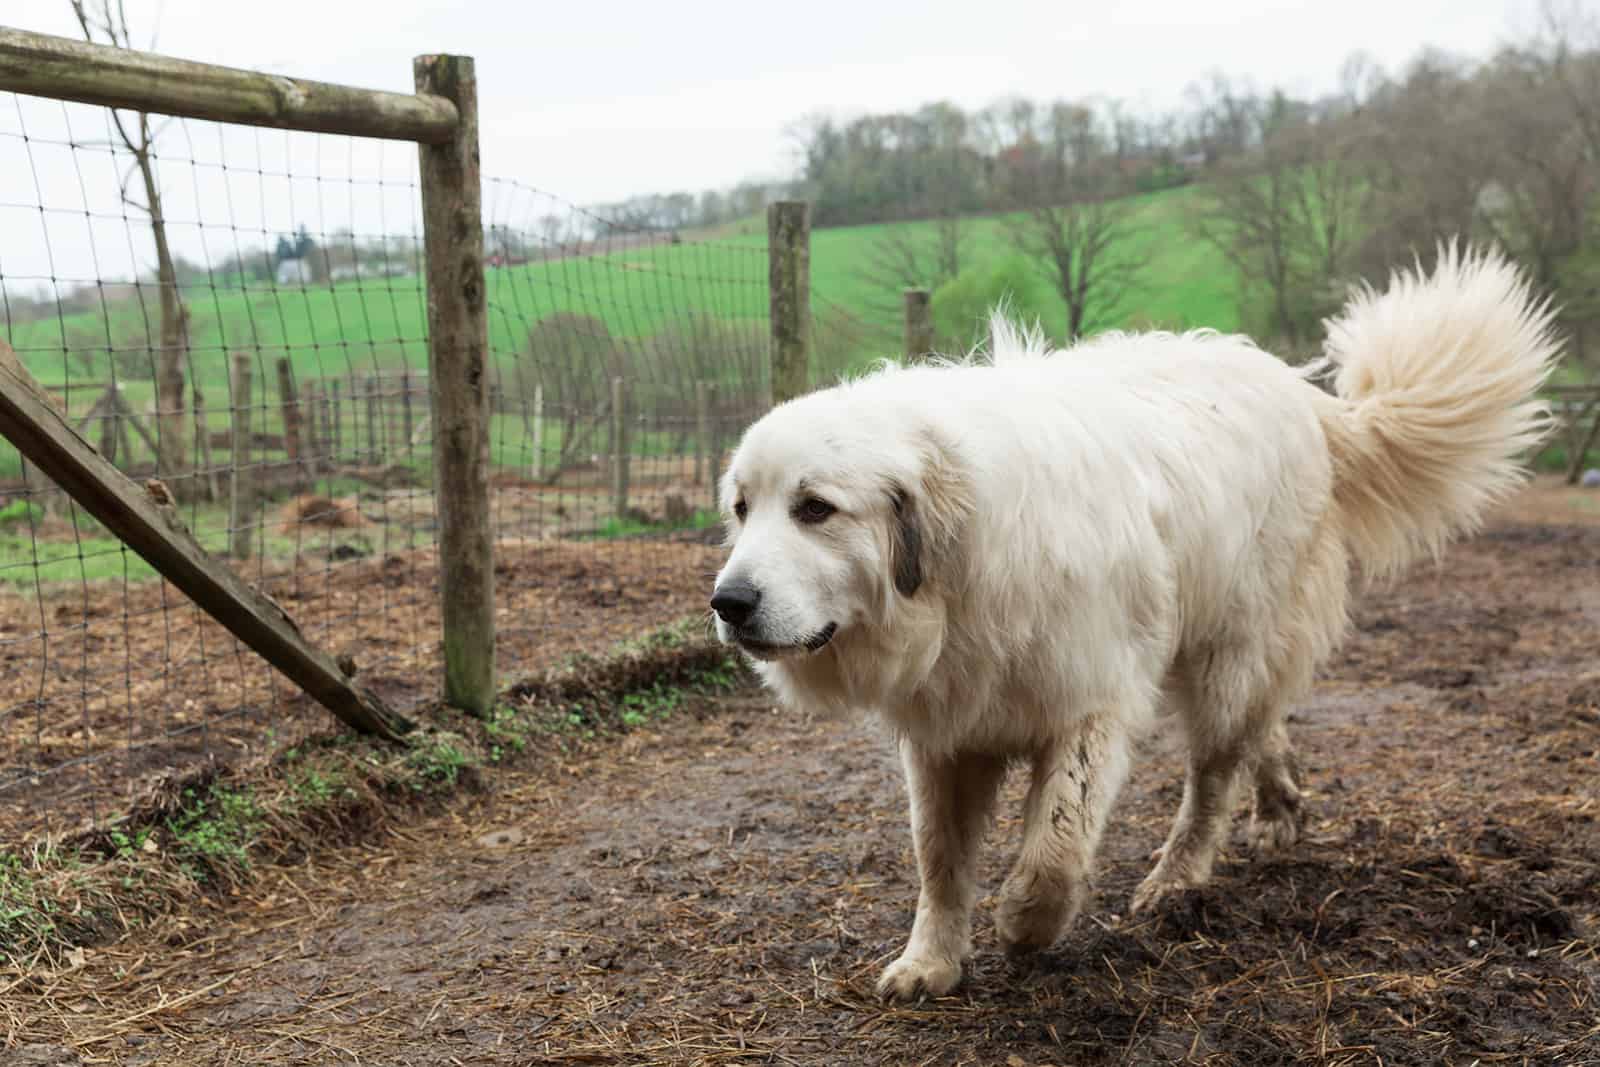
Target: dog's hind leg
[(1075, 782), (1276, 821), (951, 799), (1216, 692)]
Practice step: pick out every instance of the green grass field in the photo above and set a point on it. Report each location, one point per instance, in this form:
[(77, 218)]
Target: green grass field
[(354, 327)]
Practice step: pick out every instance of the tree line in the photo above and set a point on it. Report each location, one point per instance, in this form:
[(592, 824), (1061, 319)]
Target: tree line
[(1302, 196)]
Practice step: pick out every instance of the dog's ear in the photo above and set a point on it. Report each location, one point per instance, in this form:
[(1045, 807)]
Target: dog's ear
[(906, 556), (929, 518)]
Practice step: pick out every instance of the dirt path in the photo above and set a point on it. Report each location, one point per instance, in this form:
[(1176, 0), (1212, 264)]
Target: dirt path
[(724, 889)]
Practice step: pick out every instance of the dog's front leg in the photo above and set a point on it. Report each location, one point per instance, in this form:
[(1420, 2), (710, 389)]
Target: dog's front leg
[(1075, 782), (951, 798)]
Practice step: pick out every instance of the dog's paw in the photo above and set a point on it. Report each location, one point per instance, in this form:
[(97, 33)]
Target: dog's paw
[(1275, 832), (914, 977), (1158, 885), (1030, 922)]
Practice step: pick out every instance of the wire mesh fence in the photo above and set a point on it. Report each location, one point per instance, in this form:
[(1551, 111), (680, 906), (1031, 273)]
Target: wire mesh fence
[(240, 315)]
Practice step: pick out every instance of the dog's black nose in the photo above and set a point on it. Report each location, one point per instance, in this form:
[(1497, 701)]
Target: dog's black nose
[(735, 602)]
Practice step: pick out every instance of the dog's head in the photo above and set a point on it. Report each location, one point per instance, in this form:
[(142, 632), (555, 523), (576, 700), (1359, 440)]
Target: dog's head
[(837, 510)]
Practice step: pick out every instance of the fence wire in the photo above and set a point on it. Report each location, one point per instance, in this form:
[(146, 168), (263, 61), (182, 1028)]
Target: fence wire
[(274, 378)]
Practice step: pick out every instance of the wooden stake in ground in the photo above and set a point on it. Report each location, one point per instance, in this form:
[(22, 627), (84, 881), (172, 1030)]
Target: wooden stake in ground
[(146, 522), (789, 294), (458, 382), (918, 326), (241, 480)]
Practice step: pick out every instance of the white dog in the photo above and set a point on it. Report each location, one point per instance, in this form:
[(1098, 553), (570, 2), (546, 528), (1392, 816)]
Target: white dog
[(1023, 560)]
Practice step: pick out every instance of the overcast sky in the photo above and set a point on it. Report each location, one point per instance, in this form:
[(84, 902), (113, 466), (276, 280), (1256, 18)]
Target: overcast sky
[(597, 101)]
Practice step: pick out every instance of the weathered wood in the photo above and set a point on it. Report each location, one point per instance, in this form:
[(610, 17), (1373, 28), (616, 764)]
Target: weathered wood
[(918, 326), (336, 387), (538, 431), (41, 65), (145, 521), (293, 443), (458, 380), (202, 448), (406, 423), (126, 417), (241, 473), (310, 416), (789, 296), (619, 448), (105, 411), (374, 391), (702, 433)]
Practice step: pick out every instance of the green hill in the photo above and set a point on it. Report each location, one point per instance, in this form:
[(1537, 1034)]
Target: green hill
[(663, 313)]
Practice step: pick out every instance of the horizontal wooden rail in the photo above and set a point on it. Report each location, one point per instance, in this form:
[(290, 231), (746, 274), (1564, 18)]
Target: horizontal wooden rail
[(38, 64)]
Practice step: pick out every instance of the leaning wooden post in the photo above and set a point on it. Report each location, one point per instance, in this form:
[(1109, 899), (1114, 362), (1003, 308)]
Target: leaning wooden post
[(918, 325), (241, 478), (458, 380), (789, 293), (147, 521), (619, 448)]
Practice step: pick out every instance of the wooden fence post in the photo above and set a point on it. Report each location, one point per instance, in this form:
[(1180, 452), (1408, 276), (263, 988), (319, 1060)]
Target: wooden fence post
[(311, 405), (619, 448), (702, 435), (291, 422), (458, 380), (106, 411), (918, 326), (375, 435), (241, 478), (335, 387), (789, 294), (538, 431), (406, 424), (202, 447)]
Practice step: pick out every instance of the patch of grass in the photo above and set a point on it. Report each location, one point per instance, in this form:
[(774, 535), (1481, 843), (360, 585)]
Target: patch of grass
[(616, 528), (657, 702), (213, 831), (439, 760), (1554, 459), (508, 733)]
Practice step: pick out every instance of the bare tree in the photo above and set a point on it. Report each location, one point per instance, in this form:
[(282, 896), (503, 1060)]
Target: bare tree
[(1288, 215), (108, 21), (1088, 250), (1069, 220), (913, 256)]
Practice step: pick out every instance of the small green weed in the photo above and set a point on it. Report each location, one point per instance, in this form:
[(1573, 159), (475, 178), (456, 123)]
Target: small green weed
[(507, 732), (439, 760), (212, 832), (657, 702)]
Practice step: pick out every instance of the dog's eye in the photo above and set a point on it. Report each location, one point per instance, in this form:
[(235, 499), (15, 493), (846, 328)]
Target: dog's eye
[(740, 508), (813, 510)]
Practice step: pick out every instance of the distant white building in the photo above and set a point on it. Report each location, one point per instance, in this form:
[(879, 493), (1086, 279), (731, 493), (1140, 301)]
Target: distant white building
[(293, 272)]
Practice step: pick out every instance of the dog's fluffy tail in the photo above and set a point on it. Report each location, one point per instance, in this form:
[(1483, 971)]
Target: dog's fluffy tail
[(1436, 381)]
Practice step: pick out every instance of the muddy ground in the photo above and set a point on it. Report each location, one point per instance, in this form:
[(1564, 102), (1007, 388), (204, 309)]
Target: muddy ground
[(108, 688), (723, 889)]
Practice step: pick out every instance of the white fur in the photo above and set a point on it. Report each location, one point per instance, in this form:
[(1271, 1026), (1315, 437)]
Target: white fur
[(1136, 520)]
